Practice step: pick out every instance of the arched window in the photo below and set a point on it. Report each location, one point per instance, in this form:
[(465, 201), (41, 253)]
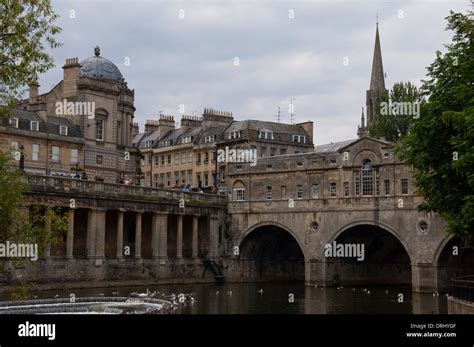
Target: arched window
[(238, 191), (367, 178)]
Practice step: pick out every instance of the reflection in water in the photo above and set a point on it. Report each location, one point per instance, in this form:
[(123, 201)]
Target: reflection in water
[(248, 298)]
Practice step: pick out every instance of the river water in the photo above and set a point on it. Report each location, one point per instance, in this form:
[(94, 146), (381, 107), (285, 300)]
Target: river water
[(281, 298)]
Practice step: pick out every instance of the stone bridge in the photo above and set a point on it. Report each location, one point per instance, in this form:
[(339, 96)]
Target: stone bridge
[(402, 245)]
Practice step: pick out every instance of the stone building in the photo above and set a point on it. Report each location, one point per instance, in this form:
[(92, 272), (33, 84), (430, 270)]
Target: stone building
[(188, 155), (92, 105)]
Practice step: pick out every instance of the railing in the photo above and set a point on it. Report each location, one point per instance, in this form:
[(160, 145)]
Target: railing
[(463, 288), (71, 185)]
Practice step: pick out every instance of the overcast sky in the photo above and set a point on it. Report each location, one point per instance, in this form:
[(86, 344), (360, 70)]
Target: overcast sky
[(190, 60)]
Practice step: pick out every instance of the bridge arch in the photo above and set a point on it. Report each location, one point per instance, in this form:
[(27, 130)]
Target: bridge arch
[(244, 235), (381, 225), (378, 255), (270, 251)]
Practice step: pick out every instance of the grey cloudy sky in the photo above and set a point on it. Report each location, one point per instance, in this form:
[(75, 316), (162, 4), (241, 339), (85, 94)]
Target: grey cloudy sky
[(190, 61)]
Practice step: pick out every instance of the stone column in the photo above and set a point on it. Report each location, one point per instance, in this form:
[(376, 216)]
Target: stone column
[(120, 234), (47, 245), (424, 278), (91, 232), (70, 235), (195, 236), (163, 253), (213, 229), (124, 130), (138, 235), (179, 238), (315, 273), (100, 234)]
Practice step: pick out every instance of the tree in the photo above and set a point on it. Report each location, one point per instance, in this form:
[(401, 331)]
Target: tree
[(395, 126), (440, 145), (26, 27)]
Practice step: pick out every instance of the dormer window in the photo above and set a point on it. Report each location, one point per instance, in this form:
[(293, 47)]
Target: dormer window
[(234, 135), (210, 138), (34, 125), (167, 143), (149, 143), (267, 135), (299, 138), (14, 122), (63, 130), (187, 139)]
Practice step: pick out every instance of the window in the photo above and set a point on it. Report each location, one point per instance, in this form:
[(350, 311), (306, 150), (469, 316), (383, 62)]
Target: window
[(190, 176), (315, 191), (239, 194), (198, 179), (14, 122), (332, 189), (74, 155), (367, 184), (423, 227), (282, 151), (149, 143), (176, 158), (63, 130), (263, 152), (162, 160), (99, 130), (183, 158), (268, 135), (272, 152), (299, 138), (14, 148), (238, 167), (169, 159), (157, 161), (55, 153), (206, 158), (404, 186), (386, 185), (198, 160), (299, 164), (34, 125), (333, 161), (99, 159), (167, 143), (210, 138), (214, 156), (299, 191), (357, 183), (149, 159), (234, 135), (35, 152), (346, 189), (187, 139), (206, 179), (190, 157), (268, 192)]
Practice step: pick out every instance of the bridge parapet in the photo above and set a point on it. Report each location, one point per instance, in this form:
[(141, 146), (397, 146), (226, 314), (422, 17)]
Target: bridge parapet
[(45, 184), (402, 202)]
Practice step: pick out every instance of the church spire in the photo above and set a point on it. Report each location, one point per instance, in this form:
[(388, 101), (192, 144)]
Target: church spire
[(377, 80)]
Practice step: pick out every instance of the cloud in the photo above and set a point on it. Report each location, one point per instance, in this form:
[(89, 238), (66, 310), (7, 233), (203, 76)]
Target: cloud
[(190, 61)]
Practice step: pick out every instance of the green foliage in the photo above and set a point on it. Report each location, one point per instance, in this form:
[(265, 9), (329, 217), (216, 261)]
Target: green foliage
[(21, 292), (41, 225), (391, 126), (26, 29), (440, 145)]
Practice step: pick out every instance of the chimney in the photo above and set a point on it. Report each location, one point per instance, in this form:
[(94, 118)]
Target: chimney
[(135, 130), (72, 70), (151, 125), (308, 129), (212, 118), (189, 122), (33, 96), (165, 124)]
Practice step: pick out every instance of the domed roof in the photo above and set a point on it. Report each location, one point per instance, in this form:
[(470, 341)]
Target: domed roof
[(100, 68)]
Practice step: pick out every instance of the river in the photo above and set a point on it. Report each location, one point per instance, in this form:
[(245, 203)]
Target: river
[(281, 298)]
